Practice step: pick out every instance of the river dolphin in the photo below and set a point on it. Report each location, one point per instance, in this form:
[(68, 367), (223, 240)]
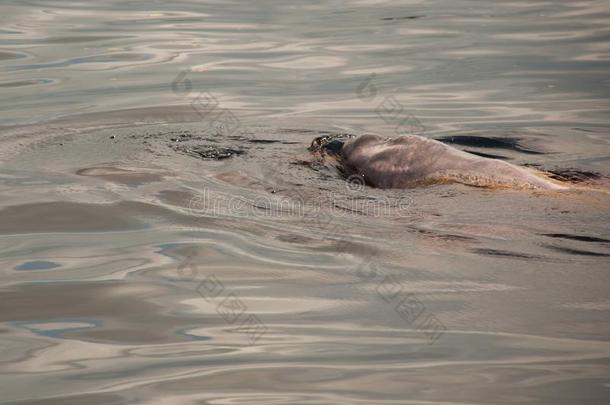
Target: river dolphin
[(411, 161)]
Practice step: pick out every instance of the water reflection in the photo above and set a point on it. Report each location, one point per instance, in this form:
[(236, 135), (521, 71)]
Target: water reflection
[(105, 238)]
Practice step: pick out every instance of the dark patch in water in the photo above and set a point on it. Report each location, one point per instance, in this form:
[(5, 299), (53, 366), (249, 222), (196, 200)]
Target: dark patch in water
[(407, 17), (212, 152), (26, 83), (584, 130), (305, 163), (173, 136), (350, 210), (504, 253), (264, 141), (445, 236), (292, 238), (575, 237), (11, 55), (487, 155), (37, 265), (573, 175), (578, 252), (508, 143)]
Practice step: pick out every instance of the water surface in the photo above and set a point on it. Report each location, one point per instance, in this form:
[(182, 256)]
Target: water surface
[(165, 236)]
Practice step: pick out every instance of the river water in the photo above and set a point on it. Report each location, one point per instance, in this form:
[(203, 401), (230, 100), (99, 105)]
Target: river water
[(166, 237)]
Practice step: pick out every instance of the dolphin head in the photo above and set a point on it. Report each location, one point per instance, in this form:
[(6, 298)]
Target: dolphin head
[(329, 144)]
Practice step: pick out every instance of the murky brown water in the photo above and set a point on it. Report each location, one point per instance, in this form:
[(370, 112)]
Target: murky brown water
[(165, 237)]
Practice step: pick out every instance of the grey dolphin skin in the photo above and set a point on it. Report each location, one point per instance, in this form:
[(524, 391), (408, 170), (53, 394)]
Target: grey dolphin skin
[(412, 161)]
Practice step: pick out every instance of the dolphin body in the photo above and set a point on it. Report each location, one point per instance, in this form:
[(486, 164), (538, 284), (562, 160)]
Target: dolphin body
[(411, 161)]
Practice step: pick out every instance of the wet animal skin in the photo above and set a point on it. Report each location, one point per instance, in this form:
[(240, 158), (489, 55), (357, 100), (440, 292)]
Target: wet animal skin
[(412, 161)]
